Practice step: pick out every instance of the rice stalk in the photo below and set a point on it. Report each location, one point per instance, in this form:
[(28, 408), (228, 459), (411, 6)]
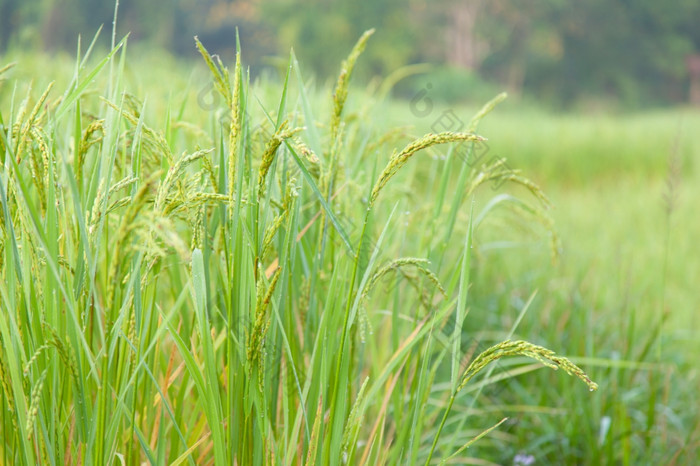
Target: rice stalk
[(35, 356), (256, 339), (222, 81), (27, 126), (35, 398), (340, 94), (150, 136), (65, 353), (234, 129), (7, 67), (510, 348), (126, 227), (396, 264), (398, 160), (355, 418), (164, 203), (268, 156), (315, 431), (39, 169), (485, 110)]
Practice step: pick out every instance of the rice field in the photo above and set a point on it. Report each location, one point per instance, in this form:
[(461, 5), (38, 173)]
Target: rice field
[(202, 268)]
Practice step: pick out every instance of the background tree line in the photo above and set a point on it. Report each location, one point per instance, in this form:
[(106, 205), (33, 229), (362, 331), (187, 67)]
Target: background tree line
[(638, 53)]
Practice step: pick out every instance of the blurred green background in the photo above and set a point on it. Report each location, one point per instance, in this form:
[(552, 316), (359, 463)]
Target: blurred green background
[(597, 53)]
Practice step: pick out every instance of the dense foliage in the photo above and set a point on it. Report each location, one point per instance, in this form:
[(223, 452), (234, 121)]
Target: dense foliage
[(319, 283), (213, 307)]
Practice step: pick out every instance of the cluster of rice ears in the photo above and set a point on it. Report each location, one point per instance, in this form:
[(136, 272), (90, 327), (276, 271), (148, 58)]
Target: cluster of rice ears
[(172, 303)]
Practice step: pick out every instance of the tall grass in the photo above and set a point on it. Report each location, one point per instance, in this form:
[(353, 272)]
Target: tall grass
[(210, 292)]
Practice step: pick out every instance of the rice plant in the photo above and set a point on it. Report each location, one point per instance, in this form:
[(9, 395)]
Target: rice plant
[(216, 298)]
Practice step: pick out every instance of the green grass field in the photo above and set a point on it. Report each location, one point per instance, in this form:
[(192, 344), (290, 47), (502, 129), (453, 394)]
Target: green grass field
[(199, 269)]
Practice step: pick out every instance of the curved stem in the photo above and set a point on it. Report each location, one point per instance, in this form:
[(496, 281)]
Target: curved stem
[(442, 424), (348, 308)]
